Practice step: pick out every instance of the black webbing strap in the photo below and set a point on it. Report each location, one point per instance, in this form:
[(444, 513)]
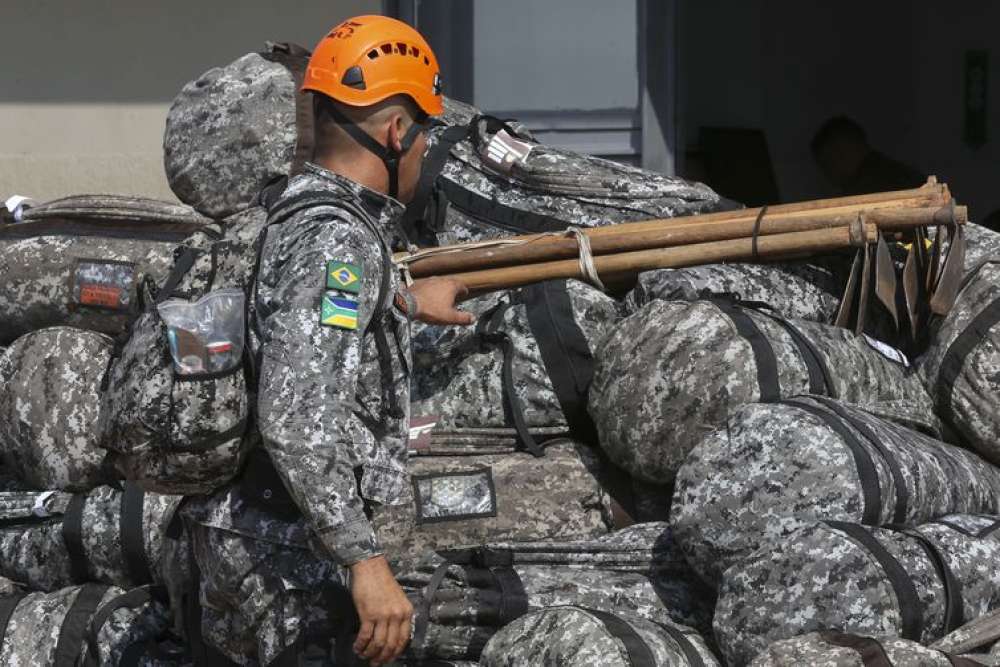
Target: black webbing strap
[(911, 609), (820, 380), (901, 505), (954, 599), (869, 649), (763, 353), (72, 534), (691, 653), (960, 348), (638, 651), (181, 266), (490, 332), (756, 233), (8, 603), (871, 489), (513, 598), (498, 214), (132, 599), (130, 528), (295, 59), (978, 535), (433, 163), (73, 632), (566, 353)]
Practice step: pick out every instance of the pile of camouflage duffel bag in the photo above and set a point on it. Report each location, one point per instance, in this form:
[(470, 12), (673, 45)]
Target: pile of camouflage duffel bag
[(699, 471)]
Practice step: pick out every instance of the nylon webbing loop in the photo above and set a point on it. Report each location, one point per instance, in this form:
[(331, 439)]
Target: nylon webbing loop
[(869, 649), (911, 609)]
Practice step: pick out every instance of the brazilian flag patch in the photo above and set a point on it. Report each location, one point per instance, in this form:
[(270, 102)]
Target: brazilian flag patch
[(343, 276), (339, 312)]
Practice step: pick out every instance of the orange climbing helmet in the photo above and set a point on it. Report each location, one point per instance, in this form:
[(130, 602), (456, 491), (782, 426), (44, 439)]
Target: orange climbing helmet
[(367, 59)]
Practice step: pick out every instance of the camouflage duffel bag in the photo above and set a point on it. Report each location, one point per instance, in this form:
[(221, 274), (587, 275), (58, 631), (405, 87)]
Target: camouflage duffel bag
[(981, 245), (460, 497), (92, 624), (803, 290), (175, 404), (79, 261), (521, 375), (837, 649), (918, 584), (486, 178), (49, 408), (581, 636), (463, 597), (673, 371), (50, 539), (775, 466), (960, 366)]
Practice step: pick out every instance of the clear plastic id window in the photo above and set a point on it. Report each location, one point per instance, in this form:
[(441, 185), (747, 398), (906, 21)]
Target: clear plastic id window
[(206, 336), (458, 495)]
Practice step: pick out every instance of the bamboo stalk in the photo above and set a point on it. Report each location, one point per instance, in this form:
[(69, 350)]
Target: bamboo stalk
[(623, 264), (546, 249)]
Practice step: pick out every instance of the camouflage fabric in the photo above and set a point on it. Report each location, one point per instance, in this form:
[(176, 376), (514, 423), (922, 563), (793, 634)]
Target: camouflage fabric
[(637, 570), (960, 366), (462, 499), (567, 188), (808, 291), (229, 132), (329, 402), (36, 555), (917, 584), (49, 407), (43, 623), (981, 244), (458, 376), (979, 638), (582, 637), (673, 371), (827, 649), (78, 261), (177, 434), (775, 467), (263, 588)]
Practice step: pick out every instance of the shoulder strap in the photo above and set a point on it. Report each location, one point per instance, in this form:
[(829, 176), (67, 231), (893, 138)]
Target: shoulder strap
[(638, 651), (898, 481), (498, 214), (820, 380), (433, 164), (132, 535), (954, 602), (73, 633), (869, 649), (691, 653), (764, 357), (72, 534), (8, 603), (911, 609)]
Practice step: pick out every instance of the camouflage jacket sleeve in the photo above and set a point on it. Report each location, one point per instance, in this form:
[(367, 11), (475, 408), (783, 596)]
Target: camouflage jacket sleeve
[(310, 370)]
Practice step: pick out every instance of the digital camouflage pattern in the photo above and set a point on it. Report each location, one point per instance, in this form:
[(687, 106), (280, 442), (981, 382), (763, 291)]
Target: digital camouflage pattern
[(578, 636), (981, 244), (672, 372), (569, 188), (35, 554), (49, 408), (637, 569), (176, 435), (44, 260), (464, 498), (961, 368), (36, 627), (826, 649), (774, 467), (229, 132), (458, 371), (824, 576), (807, 291), (980, 635), (263, 586)]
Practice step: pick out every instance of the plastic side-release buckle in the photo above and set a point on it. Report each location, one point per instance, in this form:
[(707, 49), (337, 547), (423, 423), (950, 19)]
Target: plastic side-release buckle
[(504, 151)]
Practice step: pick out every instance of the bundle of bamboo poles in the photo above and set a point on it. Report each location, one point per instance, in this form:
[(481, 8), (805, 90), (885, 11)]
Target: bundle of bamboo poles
[(755, 234)]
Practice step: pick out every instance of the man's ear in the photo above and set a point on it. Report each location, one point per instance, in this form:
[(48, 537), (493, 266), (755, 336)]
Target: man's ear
[(396, 132)]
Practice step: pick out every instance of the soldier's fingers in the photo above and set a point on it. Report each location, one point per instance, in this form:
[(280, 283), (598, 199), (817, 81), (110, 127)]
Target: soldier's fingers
[(377, 642), (404, 634), (364, 636), (391, 641)]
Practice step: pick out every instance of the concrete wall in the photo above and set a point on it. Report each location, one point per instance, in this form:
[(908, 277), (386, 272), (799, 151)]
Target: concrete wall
[(895, 66), (85, 86)]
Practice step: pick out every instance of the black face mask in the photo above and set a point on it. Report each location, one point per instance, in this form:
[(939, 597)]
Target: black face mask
[(390, 156)]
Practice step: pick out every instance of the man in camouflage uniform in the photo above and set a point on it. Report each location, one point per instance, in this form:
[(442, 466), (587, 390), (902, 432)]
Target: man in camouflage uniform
[(332, 334)]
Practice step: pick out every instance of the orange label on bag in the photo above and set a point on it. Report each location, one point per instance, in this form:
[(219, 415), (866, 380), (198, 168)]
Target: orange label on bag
[(101, 295)]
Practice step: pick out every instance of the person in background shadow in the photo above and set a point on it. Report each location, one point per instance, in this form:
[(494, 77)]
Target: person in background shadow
[(841, 149)]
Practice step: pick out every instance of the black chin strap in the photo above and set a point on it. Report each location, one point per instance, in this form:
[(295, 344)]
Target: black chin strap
[(390, 156)]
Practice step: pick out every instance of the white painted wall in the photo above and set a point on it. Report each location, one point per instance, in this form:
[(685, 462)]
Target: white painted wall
[(85, 86)]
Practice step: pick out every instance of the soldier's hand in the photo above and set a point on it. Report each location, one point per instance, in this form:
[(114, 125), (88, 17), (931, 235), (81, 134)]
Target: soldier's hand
[(384, 610), (436, 299)]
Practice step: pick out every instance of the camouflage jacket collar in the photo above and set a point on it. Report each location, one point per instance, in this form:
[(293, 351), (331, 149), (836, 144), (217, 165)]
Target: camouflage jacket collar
[(383, 208)]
